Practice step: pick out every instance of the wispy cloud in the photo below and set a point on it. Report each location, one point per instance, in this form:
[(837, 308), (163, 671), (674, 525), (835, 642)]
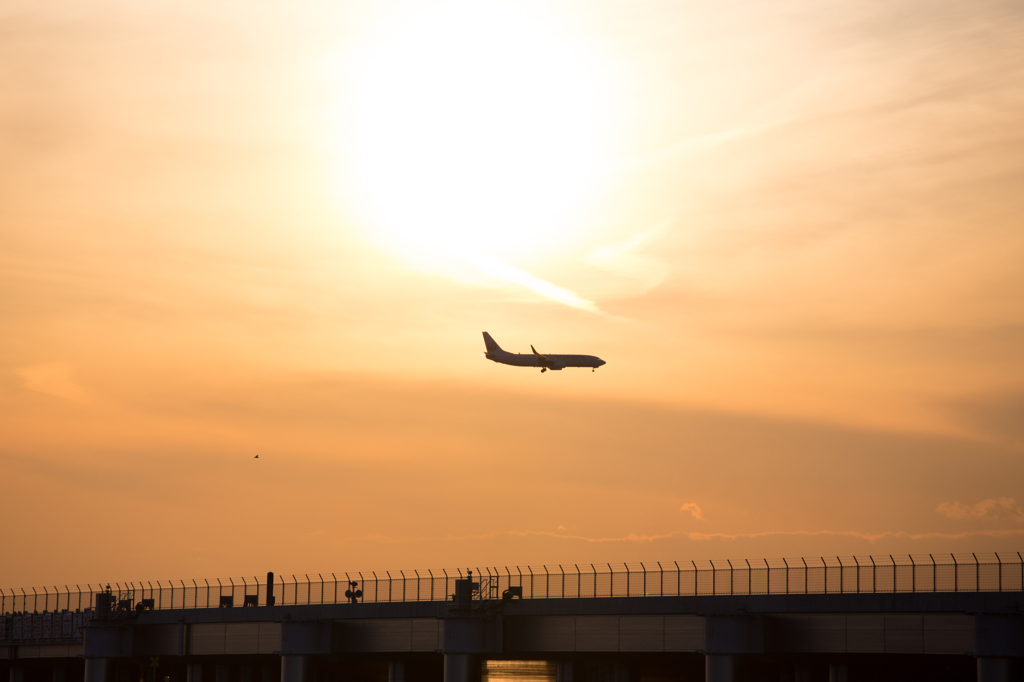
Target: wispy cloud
[(52, 379), (1004, 508), (640, 538), (627, 260), (504, 272), (693, 509), (700, 143)]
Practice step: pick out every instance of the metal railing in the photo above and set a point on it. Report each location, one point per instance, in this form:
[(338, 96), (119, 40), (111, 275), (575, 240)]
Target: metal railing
[(818, 575)]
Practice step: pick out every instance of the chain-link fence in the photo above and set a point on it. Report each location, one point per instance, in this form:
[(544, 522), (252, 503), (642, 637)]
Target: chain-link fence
[(818, 575)]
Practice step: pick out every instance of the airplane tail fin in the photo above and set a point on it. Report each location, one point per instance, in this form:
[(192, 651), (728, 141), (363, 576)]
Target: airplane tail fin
[(490, 343)]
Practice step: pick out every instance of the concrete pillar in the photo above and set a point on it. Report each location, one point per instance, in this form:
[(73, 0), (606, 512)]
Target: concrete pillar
[(837, 672), (720, 668), (97, 669), (993, 669), (223, 674), (396, 671), (194, 672), (563, 671), (58, 674), (457, 668), (294, 668), (17, 674)]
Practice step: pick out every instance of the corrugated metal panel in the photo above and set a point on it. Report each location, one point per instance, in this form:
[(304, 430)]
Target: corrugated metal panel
[(825, 633), (948, 633), (269, 638), (426, 634), (242, 638), (904, 634), (155, 640), (375, 634), (865, 633), (207, 638), (641, 633), (541, 633), (597, 633), (50, 651), (684, 633)]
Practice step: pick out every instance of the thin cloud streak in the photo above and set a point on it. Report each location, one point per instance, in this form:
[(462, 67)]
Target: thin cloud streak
[(696, 536), (504, 272)]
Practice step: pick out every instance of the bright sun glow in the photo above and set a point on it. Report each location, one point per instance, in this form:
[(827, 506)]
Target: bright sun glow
[(475, 128)]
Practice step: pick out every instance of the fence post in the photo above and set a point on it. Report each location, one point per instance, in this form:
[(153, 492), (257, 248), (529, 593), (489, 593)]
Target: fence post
[(679, 579), (840, 574), (547, 582), (874, 575), (824, 570), (977, 573), (661, 580), (714, 572), (913, 574), (748, 575), (626, 566), (644, 569), (579, 582), (611, 581), (786, 564), (805, 573), (1000, 562), (857, 564), (594, 571), (893, 573), (956, 573), (530, 569), (563, 579), (694, 577), (935, 582), (729, 561)]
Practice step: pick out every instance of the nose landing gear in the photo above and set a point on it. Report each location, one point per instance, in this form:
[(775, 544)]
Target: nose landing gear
[(543, 369)]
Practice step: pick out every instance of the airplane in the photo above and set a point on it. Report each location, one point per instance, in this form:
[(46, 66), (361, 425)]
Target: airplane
[(545, 361)]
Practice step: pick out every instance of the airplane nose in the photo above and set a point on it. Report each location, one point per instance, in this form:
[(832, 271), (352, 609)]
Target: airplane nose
[(601, 362)]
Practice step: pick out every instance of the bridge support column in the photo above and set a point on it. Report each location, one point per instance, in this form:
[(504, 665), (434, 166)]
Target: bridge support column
[(97, 669), (993, 669), (294, 668), (837, 672), (458, 668), (563, 673), (720, 668), (396, 671)]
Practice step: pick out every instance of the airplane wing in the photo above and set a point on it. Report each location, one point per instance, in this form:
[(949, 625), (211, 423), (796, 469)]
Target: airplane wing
[(544, 360)]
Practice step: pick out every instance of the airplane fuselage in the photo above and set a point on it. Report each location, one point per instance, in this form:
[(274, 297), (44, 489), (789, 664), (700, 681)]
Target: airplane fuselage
[(556, 361), (545, 361)]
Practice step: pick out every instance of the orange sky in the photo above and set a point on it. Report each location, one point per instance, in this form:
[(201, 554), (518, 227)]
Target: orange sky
[(792, 230)]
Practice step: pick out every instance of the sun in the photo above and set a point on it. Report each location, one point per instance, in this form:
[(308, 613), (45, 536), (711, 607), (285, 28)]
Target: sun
[(475, 126)]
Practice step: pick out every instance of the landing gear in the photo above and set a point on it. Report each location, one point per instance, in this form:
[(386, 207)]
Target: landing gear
[(543, 369)]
